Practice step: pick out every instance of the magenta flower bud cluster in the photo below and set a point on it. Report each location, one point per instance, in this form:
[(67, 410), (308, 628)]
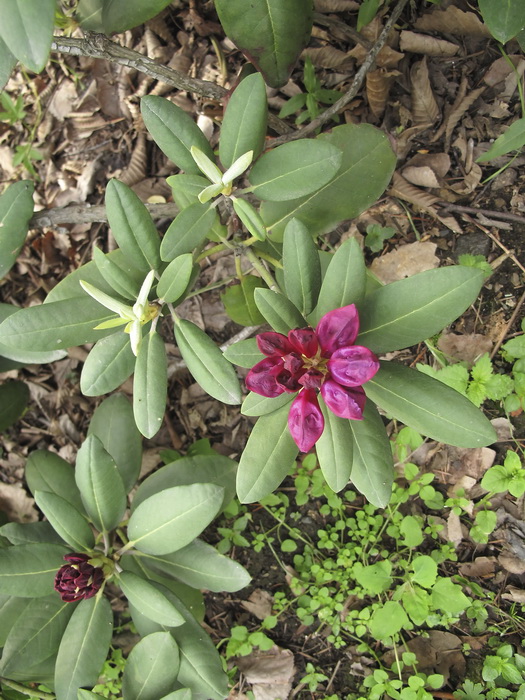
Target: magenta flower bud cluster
[(307, 361), (78, 579)]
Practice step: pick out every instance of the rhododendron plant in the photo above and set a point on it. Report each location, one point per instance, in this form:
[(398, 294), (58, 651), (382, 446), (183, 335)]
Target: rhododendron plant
[(306, 361)]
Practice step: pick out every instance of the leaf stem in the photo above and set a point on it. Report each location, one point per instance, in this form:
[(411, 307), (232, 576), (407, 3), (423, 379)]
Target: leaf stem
[(262, 270), (27, 691)]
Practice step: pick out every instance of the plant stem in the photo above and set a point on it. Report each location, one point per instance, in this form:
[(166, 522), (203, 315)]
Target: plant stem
[(262, 270), (27, 691)]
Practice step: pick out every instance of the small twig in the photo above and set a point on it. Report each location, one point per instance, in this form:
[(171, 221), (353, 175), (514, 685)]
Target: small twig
[(84, 214), (354, 88), (486, 212), (350, 32), (504, 332), (496, 240), (99, 46)]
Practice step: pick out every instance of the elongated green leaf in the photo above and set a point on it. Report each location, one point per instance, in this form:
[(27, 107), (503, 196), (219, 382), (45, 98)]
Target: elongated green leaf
[(267, 458), (504, 19), (186, 188), (30, 533), (55, 325), (36, 635), (14, 397), (295, 169), (89, 15), (204, 469), (405, 312), (84, 647), (256, 405), (207, 364), (46, 471), (108, 365), (27, 29), (344, 282), (151, 385), (149, 600), (171, 519), (200, 664), (28, 570), (373, 466), (239, 302), (175, 279), (22, 357), (302, 269), (174, 132), (244, 124), (201, 566), (84, 694), (367, 166), (245, 353), (250, 217), (7, 63), (187, 230), (120, 15), (10, 610), (271, 35), (114, 425), (124, 285), (152, 667), (132, 227), (511, 140), (280, 312), (66, 520), (100, 485), (429, 406), (16, 208), (335, 449), (182, 694)]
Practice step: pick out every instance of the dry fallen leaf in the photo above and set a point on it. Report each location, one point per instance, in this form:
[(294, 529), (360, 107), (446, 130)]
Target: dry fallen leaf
[(481, 567), (424, 105), (424, 200), (422, 176), (511, 563), (270, 673), (405, 261), (452, 20), (428, 45), (516, 595), (328, 57), (467, 347), (453, 463), (454, 529), (259, 604), (378, 83), (16, 504)]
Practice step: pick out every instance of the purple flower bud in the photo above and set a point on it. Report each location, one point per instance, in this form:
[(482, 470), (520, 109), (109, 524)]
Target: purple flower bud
[(338, 329), (353, 366), (305, 420), (78, 579)]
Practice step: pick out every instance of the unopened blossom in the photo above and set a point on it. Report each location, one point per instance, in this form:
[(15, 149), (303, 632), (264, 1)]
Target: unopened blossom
[(308, 361), (78, 579)]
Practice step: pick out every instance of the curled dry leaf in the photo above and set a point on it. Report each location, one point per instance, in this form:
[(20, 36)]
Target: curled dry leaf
[(458, 110), (425, 201), (438, 162), (269, 672), (405, 261), (378, 83), (135, 171), (481, 567), (511, 563), (328, 57), (516, 595), (452, 20), (424, 105), (422, 176), (427, 45), (259, 604), (388, 57), (500, 69)]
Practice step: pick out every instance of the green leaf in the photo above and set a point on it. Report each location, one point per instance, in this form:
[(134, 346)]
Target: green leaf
[(108, 365), (171, 519), (7, 63), (188, 230), (10, 610), (120, 280), (175, 279), (207, 364), (68, 522), (239, 301), (16, 209), (387, 620), (150, 386), (151, 668), (271, 35), (120, 15), (367, 166), (244, 124), (429, 406), (416, 602), (204, 469), (100, 485), (27, 29), (186, 188), (280, 312), (56, 325), (36, 635), (24, 357), (84, 647), (256, 405), (373, 466), (30, 533), (174, 132), (425, 571), (182, 694), (89, 15), (504, 19), (132, 227), (511, 140), (250, 217), (367, 11), (406, 312), (46, 471), (344, 282), (149, 600), (245, 353), (294, 169), (114, 425), (410, 529), (375, 578), (267, 458), (302, 268), (28, 570), (201, 566), (449, 597), (334, 449), (14, 397)]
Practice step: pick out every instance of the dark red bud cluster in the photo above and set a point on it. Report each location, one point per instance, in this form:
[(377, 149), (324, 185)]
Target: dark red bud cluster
[(78, 579)]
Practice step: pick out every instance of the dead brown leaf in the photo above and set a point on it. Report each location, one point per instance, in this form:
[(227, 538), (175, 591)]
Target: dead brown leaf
[(328, 57), (405, 261), (511, 563), (467, 347), (440, 652), (16, 504), (454, 529), (424, 105), (269, 672), (452, 20), (425, 201), (422, 176), (428, 45), (378, 83), (452, 463), (481, 567), (259, 604), (516, 595)]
